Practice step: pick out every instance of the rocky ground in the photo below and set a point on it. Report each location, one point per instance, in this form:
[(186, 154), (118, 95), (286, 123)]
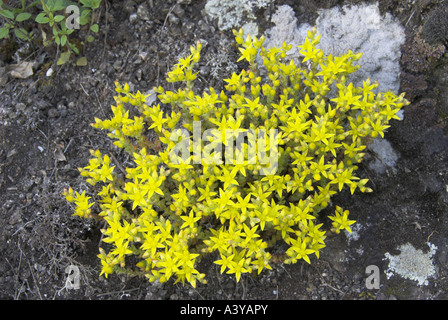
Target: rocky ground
[(45, 136)]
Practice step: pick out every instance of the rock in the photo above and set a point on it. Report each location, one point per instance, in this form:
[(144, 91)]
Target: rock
[(431, 183), (385, 156), (53, 113), (49, 72), (419, 56), (412, 264), (143, 12), (129, 6), (20, 107), (178, 11), (133, 18), (117, 65), (143, 55), (232, 14), (138, 74), (434, 141), (413, 85), (28, 184), (360, 28), (11, 153), (15, 218), (435, 27)]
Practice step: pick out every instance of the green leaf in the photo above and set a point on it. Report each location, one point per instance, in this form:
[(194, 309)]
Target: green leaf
[(94, 28), (73, 47), (56, 5), (59, 18), (65, 56), (84, 17), (7, 14), (21, 33), (32, 4), (90, 39), (23, 16), (94, 4), (81, 62), (42, 18), (3, 32), (63, 40), (83, 20), (85, 12)]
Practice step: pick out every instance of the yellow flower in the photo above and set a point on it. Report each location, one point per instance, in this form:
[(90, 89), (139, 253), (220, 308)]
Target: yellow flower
[(238, 267), (189, 220)]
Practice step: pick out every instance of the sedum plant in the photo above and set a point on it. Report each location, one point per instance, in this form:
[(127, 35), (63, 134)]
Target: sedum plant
[(299, 129)]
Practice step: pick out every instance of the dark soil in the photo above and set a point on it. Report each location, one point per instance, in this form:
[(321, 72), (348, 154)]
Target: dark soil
[(45, 135)]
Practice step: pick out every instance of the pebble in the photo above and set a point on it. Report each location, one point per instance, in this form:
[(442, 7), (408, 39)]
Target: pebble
[(15, 218), (138, 74), (142, 12), (133, 18), (28, 184), (143, 55), (11, 153), (20, 107), (53, 113), (129, 6), (50, 72), (117, 65), (178, 11)]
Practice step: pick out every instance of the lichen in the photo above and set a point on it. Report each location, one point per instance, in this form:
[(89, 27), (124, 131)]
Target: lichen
[(412, 264)]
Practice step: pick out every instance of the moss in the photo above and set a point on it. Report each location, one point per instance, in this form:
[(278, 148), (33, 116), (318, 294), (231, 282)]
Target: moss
[(7, 49), (435, 27)]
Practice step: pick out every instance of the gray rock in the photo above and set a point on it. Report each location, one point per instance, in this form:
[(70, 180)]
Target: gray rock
[(143, 12), (385, 155), (53, 113), (15, 218)]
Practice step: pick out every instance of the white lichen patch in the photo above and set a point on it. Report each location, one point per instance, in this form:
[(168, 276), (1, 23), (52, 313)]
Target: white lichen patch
[(359, 28), (233, 14), (412, 264), (355, 234)]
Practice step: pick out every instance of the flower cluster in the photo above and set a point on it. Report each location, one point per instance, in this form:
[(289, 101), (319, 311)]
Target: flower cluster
[(299, 131)]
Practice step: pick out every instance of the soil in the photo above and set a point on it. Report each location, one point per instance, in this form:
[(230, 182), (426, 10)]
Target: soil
[(45, 135)]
